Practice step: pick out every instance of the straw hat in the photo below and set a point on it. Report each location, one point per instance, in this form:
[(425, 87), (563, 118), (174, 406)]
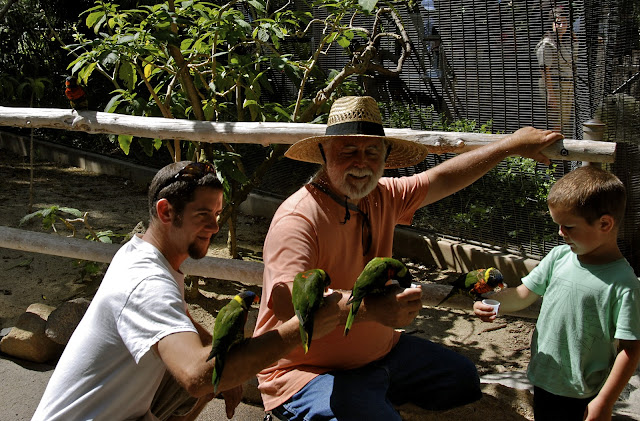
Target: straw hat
[(358, 116)]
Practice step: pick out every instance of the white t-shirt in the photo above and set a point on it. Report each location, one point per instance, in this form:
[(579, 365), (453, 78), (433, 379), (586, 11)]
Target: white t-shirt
[(108, 370)]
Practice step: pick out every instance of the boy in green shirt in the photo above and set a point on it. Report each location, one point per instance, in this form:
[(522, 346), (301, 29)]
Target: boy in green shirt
[(591, 301)]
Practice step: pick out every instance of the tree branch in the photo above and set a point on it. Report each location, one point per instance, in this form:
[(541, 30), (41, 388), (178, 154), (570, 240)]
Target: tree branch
[(6, 8)]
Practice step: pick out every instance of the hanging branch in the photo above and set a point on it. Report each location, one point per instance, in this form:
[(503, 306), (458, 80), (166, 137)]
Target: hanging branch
[(6, 8), (101, 70), (364, 61)]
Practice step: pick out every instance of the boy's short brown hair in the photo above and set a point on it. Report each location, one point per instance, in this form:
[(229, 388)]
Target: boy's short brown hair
[(591, 192)]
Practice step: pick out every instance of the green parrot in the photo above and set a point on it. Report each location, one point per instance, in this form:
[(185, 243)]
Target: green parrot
[(307, 295), (374, 278), (228, 330), (476, 283)]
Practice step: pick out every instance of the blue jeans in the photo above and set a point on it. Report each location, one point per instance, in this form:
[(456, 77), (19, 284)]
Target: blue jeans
[(416, 371)]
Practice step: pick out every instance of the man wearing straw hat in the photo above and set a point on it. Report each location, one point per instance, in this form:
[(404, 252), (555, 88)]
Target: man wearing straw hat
[(338, 222)]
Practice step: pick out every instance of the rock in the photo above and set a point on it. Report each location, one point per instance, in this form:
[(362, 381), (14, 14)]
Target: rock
[(63, 320), (27, 340), (5, 331)]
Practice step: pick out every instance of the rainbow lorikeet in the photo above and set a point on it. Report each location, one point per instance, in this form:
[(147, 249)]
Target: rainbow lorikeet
[(476, 283), (307, 295), (76, 94), (228, 330), (373, 279)]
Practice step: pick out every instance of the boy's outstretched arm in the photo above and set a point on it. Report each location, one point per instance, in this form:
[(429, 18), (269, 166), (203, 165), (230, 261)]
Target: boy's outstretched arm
[(601, 407), (511, 299)]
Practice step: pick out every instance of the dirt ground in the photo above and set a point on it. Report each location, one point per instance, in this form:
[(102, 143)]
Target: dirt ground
[(116, 204)]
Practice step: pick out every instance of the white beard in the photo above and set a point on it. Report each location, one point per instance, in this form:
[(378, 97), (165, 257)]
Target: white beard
[(357, 191)]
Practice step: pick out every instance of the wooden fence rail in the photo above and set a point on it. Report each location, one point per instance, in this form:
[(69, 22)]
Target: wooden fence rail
[(247, 272), (265, 133)]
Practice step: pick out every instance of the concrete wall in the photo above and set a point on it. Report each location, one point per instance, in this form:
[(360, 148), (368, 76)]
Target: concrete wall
[(89, 161)]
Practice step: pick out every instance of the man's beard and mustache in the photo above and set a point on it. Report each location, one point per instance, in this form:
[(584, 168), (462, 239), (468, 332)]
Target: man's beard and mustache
[(357, 190), (195, 252)]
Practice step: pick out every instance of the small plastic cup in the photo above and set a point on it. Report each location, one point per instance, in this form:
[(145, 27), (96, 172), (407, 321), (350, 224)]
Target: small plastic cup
[(493, 303)]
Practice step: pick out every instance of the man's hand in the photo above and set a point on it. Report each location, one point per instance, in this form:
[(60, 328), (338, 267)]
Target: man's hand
[(232, 398), (484, 312), (529, 143), (328, 315), (397, 307)]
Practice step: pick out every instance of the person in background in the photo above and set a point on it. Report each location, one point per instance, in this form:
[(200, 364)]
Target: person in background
[(556, 54)]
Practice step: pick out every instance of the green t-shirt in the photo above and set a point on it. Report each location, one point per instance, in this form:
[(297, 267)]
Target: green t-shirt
[(584, 309)]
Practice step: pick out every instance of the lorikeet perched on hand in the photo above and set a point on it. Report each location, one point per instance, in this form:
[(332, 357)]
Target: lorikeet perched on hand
[(476, 283), (228, 330), (307, 295), (76, 94), (373, 279)]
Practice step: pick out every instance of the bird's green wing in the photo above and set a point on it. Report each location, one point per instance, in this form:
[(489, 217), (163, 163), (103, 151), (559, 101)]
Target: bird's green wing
[(307, 296), (226, 327), (473, 277)]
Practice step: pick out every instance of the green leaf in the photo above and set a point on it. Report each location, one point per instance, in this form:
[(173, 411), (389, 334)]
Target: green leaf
[(281, 111), (258, 5), (99, 24), (113, 103), (84, 73), (105, 236), (367, 5), (343, 42), (244, 26), (91, 268), (48, 211), (78, 65), (27, 218), (147, 146), (93, 18), (71, 211), (209, 110), (127, 74), (125, 39), (125, 142)]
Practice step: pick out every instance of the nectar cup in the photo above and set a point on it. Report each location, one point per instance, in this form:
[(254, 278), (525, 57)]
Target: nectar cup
[(493, 303)]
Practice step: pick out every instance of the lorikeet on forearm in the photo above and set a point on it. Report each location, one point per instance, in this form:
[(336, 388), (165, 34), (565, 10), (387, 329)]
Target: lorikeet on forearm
[(476, 283), (373, 279), (228, 330), (307, 295)]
